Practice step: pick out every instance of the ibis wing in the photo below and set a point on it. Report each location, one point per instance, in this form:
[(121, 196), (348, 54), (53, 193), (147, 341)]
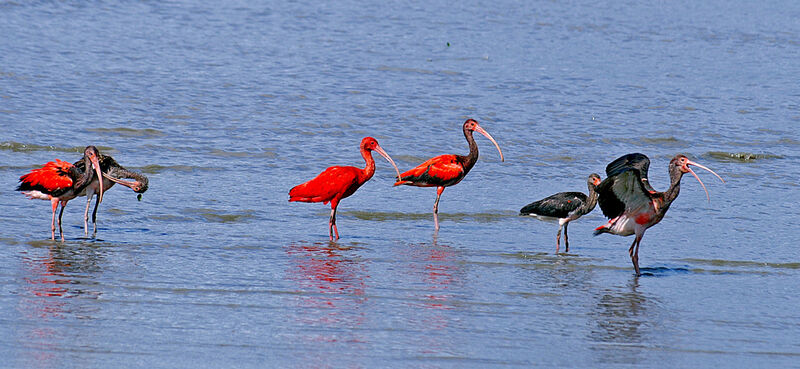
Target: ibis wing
[(435, 171), (635, 161), (53, 178), (335, 182), (559, 205), (622, 192)]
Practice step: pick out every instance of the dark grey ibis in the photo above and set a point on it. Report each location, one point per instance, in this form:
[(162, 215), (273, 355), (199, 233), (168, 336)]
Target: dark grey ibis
[(59, 181), (564, 207), (447, 170), (631, 205), (112, 173)]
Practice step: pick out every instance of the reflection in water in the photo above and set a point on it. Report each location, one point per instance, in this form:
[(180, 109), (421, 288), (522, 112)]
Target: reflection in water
[(436, 275), (55, 283), (622, 319), (330, 285)]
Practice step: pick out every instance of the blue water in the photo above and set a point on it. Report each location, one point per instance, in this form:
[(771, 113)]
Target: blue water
[(227, 106)]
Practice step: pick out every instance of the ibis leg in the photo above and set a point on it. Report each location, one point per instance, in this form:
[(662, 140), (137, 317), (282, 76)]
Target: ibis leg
[(439, 191), (633, 251), (89, 196), (332, 222), (94, 217), (54, 203), (566, 238), (558, 238), (60, 214)]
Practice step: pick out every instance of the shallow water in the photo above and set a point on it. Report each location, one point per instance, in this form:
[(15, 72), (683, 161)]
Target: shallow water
[(227, 106)]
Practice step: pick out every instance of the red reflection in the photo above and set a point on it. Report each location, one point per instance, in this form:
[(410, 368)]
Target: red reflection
[(438, 272), (46, 283), (330, 287)]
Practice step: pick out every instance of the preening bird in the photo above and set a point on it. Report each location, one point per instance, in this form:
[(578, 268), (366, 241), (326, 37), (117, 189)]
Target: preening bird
[(60, 181), (112, 173)]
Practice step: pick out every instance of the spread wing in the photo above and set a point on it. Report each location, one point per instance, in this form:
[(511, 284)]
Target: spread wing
[(557, 206), (623, 192), (636, 161), (334, 182)]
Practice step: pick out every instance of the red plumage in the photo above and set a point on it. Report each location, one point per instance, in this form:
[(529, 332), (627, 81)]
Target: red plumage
[(52, 177), (446, 170), (443, 170), (336, 182)]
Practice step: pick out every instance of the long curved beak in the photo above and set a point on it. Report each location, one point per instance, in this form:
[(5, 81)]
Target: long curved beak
[(96, 165), (483, 132), (129, 184), (385, 155), (689, 162)]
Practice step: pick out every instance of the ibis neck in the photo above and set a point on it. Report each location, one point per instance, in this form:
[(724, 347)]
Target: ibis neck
[(369, 170), (472, 157), (86, 176), (674, 188), (591, 201)]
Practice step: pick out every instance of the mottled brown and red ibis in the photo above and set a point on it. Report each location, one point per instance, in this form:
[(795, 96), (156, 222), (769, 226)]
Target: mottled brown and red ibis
[(447, 170), (564, 207), (59, 182), (112, 173), (631, 207), (337, 182)]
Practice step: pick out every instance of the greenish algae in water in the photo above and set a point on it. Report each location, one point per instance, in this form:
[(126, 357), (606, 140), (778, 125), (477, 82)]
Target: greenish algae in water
[(742, 157), (22, 147)]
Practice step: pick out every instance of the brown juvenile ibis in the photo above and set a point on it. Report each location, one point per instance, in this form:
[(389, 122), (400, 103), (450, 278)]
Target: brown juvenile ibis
[(447, 170), (336, 183), (630, 204), (564, 207), (112, 173), (59, 182)]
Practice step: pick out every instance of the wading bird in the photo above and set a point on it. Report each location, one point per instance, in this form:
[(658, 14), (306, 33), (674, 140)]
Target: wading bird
[(632, 208), (446, 170), (59, 182), (564, 207), (337, 182), (112, 173)]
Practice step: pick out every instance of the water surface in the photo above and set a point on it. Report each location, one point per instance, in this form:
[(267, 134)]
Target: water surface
[(227, 106)]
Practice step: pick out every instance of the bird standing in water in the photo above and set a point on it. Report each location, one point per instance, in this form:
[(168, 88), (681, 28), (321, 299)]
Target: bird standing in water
[(630, 203), (447, 170), (60, 181), (337, 182), (112, 173), (564, 207)]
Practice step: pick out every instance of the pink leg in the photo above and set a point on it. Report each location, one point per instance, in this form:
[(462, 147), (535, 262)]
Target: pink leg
[(633, 251), (566, 238), (54, 203), (332, 222), (439, 191)]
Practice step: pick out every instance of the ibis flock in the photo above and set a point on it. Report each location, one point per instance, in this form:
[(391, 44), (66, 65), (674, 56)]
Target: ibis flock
[(625, 196)]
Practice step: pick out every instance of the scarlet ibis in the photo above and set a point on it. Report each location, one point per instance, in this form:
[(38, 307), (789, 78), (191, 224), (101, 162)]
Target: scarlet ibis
[(630, 206), (336, 182), (447, 170), (59, 182), (112, 173), (565, 207)]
